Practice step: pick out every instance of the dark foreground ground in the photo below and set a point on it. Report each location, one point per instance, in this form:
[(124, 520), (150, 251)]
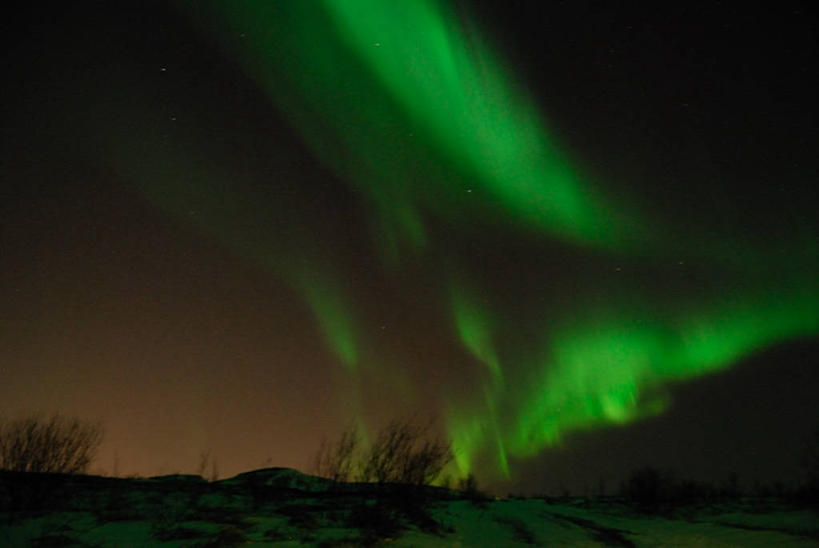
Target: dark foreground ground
[(282, 507)]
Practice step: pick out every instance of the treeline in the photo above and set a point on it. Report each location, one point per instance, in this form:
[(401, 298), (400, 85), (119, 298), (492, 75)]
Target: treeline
[(404, 451), (649, 487)]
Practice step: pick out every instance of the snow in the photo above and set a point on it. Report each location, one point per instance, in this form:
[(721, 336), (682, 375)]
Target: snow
[(283, 507)]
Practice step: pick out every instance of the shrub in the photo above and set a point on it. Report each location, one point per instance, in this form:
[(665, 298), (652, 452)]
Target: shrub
[(404, 453), (206, 459), (57, 444), (468, 486), (335, 461)]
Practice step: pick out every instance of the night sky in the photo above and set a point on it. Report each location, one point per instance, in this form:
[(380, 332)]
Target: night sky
[(584, 237)]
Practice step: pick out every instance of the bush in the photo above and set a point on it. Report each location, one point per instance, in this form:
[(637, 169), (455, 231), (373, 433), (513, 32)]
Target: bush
[(468, 486), (205, 459), (335, 461), (403, 452), (58, 444)]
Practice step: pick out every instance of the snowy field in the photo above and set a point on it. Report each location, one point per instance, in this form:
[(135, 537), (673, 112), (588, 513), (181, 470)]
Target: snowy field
[(282, 507)]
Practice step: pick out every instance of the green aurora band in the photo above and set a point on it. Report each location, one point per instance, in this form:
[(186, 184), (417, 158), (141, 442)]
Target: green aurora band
[(414, 115), (407, 103)]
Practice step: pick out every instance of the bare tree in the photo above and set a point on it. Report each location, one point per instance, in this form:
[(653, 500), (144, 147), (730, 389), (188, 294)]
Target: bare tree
[(336, 461), (404, 453), (205, 458), (56, 444)]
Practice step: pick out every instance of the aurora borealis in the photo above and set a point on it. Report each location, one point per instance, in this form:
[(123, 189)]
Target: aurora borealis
[(528, 242)]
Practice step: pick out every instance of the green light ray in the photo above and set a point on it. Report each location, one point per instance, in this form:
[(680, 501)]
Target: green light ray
[(416, 114), (605, 372), (474, 329), (332, 311), (418, 117), (195, 184), (476, 433), (457, 95)]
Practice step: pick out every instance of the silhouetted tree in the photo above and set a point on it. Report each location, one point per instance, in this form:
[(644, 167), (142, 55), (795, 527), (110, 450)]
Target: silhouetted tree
[(206, 459), (56, 444), (404, 453), (336, 461)]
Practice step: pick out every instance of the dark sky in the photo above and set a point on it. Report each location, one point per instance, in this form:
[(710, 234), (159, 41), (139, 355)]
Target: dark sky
[(234, 234)]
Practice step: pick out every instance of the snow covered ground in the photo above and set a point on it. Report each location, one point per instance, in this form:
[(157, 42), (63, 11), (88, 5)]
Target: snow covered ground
[(282, 507)]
